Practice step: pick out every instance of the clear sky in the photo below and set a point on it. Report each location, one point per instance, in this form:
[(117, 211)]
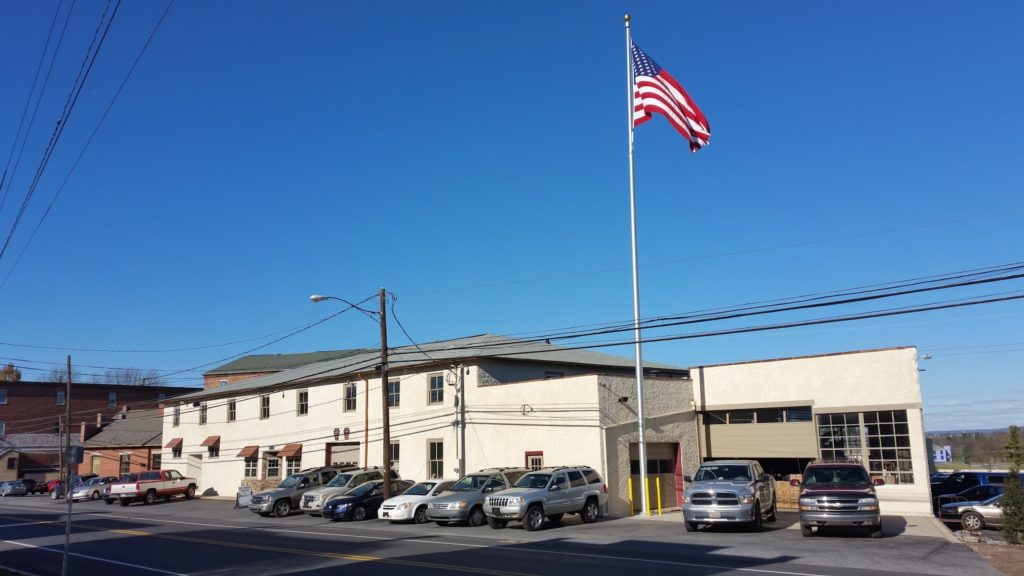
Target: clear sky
[(470, 157)]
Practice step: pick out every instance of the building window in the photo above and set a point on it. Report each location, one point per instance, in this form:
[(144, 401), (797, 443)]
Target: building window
[(202, 413), (3, 396), (222, 383), (94, 466), (839, 438), (435, 462), (214, 451), (60, 398), (58, 426), (176, 452), (250, 467), (111, 398), (232, 410), (302, 402), (770, 415), (264, 407), (887, 436), (157, 461), (394, 393), (3, 428), (534, 460), (799, 414), (273, 467), (436, 389), (161, 396), (292, 465), (759, 416), (394, 455), (350, 397), (12, 463), (126, 463), (177, 416)]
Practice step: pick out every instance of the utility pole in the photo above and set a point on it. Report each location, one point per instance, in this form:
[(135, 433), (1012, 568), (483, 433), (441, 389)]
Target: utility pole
[(385, 417), (462, 421), (68, 477)]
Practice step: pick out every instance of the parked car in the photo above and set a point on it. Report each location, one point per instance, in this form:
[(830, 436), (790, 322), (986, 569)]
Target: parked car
[(92, 489), (56, 487), (838, 494), (32, 486), (729, 492), (363, 501), (957, 482), (464, 501), (548, 493), (13, 488), (412, 504), (313, 500), (975, 515), (973, 494), (154, 484), (286, 497), (130, 477)]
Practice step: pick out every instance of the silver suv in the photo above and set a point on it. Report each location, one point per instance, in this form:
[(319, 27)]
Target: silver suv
[(549, 493), (282, 500), (464, 500), (314, 500)]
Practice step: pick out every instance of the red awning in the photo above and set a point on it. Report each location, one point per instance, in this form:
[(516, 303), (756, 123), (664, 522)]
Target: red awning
[(249, 452), (290, 451), (211, 441), (174, 443)]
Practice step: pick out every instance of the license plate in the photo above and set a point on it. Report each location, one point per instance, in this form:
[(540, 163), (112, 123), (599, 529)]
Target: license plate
[(385, 514), (714, 514)]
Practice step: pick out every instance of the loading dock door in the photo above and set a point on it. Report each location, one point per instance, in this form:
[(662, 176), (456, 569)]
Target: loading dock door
[(663, 467), (339, 453)]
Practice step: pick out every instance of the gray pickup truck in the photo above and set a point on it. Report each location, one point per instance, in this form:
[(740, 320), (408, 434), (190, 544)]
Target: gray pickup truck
[(729, 491), (548, 493)]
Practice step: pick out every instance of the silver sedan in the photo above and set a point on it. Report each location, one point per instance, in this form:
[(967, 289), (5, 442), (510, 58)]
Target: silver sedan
[(92, 489), (13, 488), (975, 515)]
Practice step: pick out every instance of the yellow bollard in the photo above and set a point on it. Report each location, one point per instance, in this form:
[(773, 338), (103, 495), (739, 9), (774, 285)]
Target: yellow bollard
[(647, 493), (657, 484), (631, 495)]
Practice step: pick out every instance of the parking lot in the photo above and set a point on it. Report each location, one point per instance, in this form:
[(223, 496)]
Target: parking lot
[(213, 537)]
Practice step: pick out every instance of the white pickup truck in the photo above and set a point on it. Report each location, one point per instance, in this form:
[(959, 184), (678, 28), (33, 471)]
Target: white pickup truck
[(152, 485)]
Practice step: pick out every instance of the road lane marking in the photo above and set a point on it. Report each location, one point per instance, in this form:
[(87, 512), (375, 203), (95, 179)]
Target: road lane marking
[(97, 558)]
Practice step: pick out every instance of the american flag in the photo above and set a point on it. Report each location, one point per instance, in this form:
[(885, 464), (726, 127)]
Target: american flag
[(655, 90)]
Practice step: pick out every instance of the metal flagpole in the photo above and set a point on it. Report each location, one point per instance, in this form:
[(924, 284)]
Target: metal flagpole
[(641, 444)]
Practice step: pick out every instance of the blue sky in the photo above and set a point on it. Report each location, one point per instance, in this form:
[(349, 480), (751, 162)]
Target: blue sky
[(471, 158)]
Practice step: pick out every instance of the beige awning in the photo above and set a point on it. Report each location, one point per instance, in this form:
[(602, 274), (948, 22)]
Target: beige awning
[(290, 451), (249, 452)]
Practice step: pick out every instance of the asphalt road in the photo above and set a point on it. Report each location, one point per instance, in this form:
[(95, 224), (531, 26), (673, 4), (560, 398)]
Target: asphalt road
[(211, 537)]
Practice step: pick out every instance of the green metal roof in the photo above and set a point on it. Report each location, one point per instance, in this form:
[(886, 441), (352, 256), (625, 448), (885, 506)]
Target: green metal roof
[(278, 362)]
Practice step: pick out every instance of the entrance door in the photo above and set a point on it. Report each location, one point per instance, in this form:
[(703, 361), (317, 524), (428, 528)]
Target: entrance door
[(662, 470), (340, 453)]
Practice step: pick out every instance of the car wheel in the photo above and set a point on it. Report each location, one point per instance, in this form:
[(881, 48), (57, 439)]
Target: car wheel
[(534, 518), (876, 531), (476, 517), (359, 513), (282, 508), (972, 521), (496, 523), (773, 515), (95, 495), (441, 522), (420, 515), (690, 526), (555, 517), (755, 524), (806, 531), (150, 497), (590, 511), (191, 492)]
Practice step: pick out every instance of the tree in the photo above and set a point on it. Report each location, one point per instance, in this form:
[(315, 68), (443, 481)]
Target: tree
[(130, 377), (60, 376), (1013, 495), (10, 374)]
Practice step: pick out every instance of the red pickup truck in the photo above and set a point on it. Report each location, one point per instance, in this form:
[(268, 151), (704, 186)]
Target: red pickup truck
[(152, 485)]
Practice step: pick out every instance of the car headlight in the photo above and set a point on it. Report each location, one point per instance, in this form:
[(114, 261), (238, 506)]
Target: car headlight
[(342, 507), (869, 504), (402, 506), (747, 499), (516, 500), (808, 504), (462, 505), (686, 498)]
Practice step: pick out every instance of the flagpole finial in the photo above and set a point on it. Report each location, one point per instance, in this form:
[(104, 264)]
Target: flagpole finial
[(627, 17)]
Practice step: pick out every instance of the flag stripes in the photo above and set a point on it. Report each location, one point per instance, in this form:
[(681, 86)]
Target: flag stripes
[(655, 90)]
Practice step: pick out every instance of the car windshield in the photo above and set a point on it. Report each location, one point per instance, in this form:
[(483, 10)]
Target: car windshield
[(339, 480), (290, 481), (993, 501), (722, 472), (844, 475), (93, 481), (363, 489), (421, 489), (470, 483), (532, 481)]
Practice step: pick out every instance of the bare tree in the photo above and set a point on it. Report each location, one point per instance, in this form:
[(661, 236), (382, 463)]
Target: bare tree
[(60, 375), (10, 374), (130, 377)]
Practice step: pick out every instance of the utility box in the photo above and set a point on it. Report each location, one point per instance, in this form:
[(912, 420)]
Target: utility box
[(74, 454)]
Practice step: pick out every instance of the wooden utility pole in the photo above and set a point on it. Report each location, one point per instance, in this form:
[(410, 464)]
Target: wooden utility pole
[(385, 417), (68, 484)]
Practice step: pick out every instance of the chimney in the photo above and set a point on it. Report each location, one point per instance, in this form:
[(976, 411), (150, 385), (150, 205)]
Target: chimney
[(99, 420), (81, 432)]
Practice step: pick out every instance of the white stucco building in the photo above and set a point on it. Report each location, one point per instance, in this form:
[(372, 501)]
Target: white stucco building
[(533, 403)]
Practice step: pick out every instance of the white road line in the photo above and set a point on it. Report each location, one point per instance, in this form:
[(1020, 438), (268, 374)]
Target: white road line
[(97, 558)]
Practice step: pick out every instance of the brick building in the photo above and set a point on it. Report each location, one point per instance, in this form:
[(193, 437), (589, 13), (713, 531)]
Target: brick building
[(131, 443)]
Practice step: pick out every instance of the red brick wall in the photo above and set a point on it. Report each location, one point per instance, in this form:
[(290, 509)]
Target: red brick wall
[(31, 406), (110, 460), (213, 380)]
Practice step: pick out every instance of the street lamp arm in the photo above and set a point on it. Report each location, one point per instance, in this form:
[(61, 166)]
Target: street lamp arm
[(315, 298)]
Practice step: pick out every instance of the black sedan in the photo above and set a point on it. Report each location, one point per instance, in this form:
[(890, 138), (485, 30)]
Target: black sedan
[(363, 501)]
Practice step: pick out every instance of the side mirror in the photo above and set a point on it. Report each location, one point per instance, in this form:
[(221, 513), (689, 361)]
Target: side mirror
[(794, 482), (879, 482), (765, 477), (554, 488), (687, 479)]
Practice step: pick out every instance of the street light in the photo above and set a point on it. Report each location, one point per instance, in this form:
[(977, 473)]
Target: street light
[(381, 319)]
